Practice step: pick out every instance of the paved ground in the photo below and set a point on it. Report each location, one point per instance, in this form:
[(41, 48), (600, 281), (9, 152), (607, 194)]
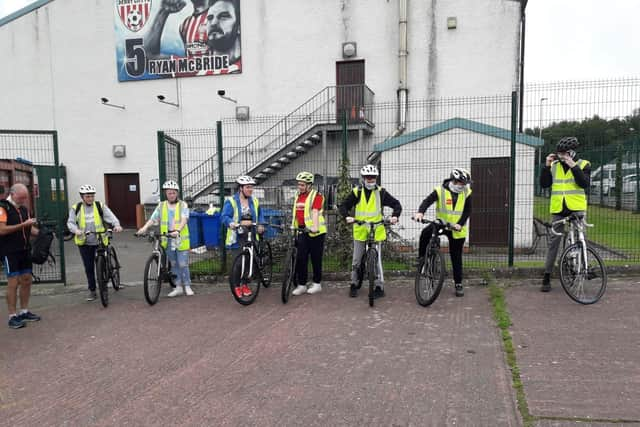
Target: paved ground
[(320, 360)]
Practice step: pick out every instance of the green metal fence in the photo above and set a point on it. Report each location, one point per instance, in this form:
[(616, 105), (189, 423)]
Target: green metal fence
[(34, 155), (480, 134)]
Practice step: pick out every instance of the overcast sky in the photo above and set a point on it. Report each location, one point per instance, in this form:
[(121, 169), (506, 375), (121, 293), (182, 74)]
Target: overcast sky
[(566, 39)]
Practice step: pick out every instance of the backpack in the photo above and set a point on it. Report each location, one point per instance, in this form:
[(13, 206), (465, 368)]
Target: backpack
[(41, 246), (76, 208)]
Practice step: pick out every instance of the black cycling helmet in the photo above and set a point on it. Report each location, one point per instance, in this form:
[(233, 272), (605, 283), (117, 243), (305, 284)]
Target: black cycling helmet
[(567, 143)]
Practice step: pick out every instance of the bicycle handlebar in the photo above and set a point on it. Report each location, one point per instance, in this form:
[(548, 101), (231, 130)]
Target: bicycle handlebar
[(563, 221), (437, 222)]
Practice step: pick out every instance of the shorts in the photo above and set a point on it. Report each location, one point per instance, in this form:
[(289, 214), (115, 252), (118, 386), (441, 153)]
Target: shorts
[(17, 263)]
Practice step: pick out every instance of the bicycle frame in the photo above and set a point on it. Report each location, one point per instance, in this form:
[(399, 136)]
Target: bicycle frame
[(575, 233), (249, 246)]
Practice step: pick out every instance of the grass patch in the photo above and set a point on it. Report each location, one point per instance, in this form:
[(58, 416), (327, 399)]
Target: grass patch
[(503, 320)]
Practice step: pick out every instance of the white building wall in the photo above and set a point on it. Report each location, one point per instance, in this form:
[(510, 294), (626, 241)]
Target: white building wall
[(412, 171), (60, 60)]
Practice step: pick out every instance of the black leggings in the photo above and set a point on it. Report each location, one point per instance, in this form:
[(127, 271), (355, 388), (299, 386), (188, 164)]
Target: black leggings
[(455, 250), (309, 246)]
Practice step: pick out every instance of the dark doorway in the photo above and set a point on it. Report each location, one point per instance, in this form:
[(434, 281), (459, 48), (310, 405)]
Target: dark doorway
[(350, 90), (123, 194), (490, 215)]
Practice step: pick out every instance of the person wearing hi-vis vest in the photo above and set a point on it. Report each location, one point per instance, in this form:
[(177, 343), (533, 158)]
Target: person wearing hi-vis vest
[(308, 213), (368, 200), (453, 205), (568, 177), (90, 216), (242, 208), (173, 215)]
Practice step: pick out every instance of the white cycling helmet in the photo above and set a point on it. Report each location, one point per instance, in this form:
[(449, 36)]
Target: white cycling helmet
[(369, 170), (461, 175), (306, 177), (87, 189), (245, 180), (170, 185)]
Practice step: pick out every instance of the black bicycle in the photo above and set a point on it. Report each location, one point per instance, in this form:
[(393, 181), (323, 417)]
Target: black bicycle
[(582, 273), (107, 265), (369, 262), (431, 268), (252, 267), (157, 269), (290, 260)]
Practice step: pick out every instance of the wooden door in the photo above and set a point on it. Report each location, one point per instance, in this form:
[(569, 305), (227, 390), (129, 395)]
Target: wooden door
[(122, 195), (490, 215), (349, 89)]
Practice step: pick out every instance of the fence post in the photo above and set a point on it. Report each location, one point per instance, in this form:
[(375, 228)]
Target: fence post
[(179, 148), (62, 218), (618, 177), (637, 149), (221, 190), (162, 164), (512, 180)]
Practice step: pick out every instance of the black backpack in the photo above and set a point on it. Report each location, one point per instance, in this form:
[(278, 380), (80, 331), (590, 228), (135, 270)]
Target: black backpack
[(76, 208), (41, 246)]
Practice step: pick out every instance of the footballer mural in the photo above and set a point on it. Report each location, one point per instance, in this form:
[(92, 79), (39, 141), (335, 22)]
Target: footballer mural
[(177, 38)]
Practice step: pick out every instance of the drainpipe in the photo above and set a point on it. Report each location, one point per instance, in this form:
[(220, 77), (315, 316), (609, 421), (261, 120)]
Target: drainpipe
[(402, 92), (523, 22)]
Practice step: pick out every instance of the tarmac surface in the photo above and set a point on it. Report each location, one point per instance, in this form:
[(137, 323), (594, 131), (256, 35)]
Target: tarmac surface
[(321, 360)]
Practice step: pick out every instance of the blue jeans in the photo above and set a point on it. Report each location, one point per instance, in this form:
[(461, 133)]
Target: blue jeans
[(180, 266)]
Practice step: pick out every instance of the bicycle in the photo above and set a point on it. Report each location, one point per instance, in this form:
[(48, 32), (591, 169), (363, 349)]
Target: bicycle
[(369, 261), (252, 267), (580, 265), (107, 265), (431, 268), (157, 268), (290, 267)]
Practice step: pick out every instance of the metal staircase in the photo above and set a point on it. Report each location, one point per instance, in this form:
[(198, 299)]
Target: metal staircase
[(291, 137)]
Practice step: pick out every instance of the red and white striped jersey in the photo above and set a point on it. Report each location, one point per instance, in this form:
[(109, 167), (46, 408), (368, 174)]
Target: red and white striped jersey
[(194, 34)]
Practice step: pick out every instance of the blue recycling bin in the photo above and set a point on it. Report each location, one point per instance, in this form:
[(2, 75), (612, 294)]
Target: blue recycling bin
[(211, 229), (195, 229), (273, 216)]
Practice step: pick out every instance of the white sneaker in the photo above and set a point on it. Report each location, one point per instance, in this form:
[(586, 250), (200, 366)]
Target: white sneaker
[(188, 291), (299, 290), (314, 289), (176, 292)]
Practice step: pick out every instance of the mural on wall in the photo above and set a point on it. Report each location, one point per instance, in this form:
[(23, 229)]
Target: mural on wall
[(177, 38)]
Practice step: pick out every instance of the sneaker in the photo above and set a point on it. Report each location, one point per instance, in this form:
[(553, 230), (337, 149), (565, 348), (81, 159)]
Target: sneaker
[(546, 283), (176, 292), (353, 292), (188, 291), (314, 289), (299, 290), (15, 322), (238, 291), (91, 296), (246, 291), (378, 292), (459, 290), (29, 317)]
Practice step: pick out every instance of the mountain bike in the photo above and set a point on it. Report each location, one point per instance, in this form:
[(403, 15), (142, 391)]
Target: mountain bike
[(252, 267), (431, 268), (582, 273), (157, 268), (290, 260), (107, 265), (370, 259)]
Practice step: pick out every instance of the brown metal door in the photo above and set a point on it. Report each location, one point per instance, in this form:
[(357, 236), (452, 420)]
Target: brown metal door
[(349, 89), (122, 196), (490, 215)]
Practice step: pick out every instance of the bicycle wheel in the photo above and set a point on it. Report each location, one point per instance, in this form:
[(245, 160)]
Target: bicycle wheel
[(289, 272), (152, 279), (169, 277), (103, 279), (583, 280), (372, 269), (114, 266), (249, 283), (265, 260), (429, 278)]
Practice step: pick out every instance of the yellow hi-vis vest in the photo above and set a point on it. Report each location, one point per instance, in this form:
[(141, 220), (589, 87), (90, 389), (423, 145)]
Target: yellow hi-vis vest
[(308, 221), (82, 223), (371, 211), (449, 213), (232, 235), (183, 242), (564, 188)]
